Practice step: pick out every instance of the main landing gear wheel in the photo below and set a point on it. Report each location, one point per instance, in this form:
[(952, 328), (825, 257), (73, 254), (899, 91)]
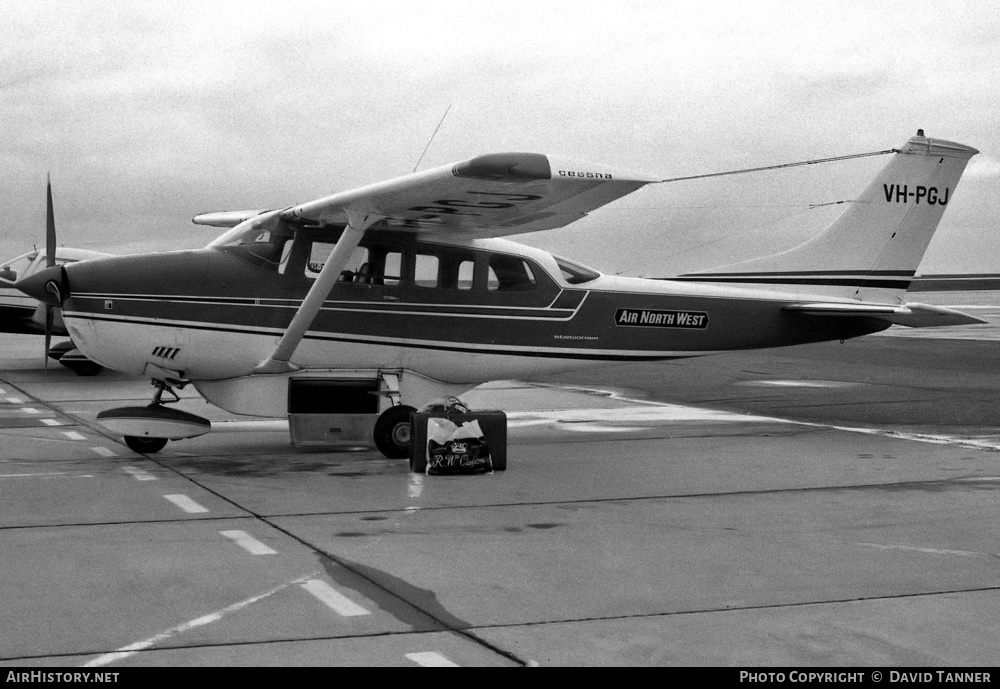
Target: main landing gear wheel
[(145, 445), (393, 432)]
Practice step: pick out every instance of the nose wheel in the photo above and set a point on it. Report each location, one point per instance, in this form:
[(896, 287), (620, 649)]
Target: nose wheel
[(393, 432)]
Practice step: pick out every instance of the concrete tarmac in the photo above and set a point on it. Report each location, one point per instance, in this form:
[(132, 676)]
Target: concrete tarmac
[(825, 505)]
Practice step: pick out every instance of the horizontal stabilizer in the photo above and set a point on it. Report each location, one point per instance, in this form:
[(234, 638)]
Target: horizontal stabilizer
[(911, 315)]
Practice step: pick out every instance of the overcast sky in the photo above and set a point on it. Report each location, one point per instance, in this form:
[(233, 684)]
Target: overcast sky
[(147, 113)]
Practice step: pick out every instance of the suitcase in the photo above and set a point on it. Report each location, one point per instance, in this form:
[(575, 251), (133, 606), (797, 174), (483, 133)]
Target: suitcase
[(492, 423)]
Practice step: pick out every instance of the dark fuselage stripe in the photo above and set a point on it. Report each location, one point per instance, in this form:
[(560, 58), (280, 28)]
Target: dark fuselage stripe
[(391, 342), (901, 283), (402, 307)]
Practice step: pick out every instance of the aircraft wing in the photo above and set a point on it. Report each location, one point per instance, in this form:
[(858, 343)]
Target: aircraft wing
[(913, 315), (487, 196)]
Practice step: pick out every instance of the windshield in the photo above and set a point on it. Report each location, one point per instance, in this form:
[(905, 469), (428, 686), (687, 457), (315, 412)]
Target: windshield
[(261, 246), (575, 273)]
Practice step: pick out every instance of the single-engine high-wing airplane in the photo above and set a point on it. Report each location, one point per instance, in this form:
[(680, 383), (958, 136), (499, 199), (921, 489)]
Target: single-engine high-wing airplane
[(405, 285)]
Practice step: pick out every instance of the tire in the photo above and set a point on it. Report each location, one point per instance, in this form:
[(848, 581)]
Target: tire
[(393, 433), (90, 369), (145, 445)]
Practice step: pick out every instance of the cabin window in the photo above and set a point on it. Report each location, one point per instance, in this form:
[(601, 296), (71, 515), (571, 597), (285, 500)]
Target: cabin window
[(392, 271), (426, 270), (453, 270), (509, 274), (575, 273), (466, 272)]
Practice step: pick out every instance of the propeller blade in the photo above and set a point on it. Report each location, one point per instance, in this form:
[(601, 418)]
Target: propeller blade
[(48, 334), (50, 260), (50, 226)]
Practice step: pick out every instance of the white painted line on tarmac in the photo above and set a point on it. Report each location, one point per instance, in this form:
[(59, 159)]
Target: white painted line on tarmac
[(416, 485), (104, 452), (14, 400), (138, 474), (333, 599), (796, 383), (431, 659), (186, 503), (653, 415), (68, 474), (248, 543), (656, 413), (957, 441), (134, 648), (73, 435), (932, 551), (51, 422), (30, 410), (598, 428)]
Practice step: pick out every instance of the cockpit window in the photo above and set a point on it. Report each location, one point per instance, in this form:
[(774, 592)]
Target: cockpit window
[(356, 270), (261, 246), (575, 273)]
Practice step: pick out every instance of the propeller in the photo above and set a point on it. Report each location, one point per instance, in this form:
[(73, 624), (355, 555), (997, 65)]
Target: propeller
[(50, 260)]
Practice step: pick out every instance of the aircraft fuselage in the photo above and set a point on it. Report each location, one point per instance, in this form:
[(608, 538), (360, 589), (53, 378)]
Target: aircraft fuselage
[(494, 308)]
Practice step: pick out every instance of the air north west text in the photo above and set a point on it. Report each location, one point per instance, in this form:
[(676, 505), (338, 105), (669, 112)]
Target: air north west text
[(696, 320)]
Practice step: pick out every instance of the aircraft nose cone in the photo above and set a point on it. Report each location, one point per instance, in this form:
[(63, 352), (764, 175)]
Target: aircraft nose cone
[(48, 286)]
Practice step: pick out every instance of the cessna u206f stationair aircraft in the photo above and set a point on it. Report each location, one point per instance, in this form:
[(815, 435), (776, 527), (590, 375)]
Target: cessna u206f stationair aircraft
[(404, 284)]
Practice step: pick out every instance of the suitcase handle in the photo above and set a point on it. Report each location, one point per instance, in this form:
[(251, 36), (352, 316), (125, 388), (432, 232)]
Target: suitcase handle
[(446, 404)]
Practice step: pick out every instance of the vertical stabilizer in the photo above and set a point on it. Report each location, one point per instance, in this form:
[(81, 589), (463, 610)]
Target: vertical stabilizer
[(871, 252)]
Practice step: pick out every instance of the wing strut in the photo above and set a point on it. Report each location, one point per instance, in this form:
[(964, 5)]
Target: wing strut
[(279, 361)]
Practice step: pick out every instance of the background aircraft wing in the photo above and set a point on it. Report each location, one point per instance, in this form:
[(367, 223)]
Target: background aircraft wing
[(487, 196)]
